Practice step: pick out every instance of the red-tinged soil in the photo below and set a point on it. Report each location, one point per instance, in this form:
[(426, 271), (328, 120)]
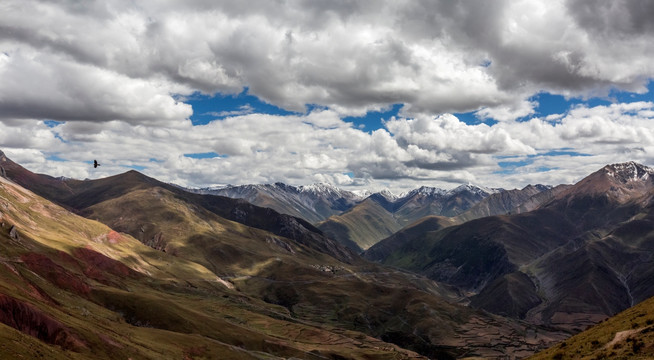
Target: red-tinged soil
[(56, 274), (114, 237), (96, 265), (31, 321), (36, 292)]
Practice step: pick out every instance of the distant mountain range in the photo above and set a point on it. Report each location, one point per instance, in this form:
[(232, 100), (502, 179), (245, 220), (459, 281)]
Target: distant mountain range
[(360, 220), (317, 202), (579, 257), (313, 203)]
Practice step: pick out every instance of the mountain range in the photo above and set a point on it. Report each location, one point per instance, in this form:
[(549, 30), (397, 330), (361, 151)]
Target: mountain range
[(360, 220), (313, 203), (131, 267), (578, 258), (565, 256)]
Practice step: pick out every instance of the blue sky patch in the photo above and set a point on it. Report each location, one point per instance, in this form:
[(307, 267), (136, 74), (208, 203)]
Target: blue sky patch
[(55, 157), (561, 152), (549, 104), (510, 166), (53, 123), (373, 120), (207, 108), (627, 97), (205, 155)]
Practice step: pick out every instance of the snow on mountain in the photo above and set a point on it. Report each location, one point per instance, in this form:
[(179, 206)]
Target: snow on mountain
[(629, 171), (317, 202), (329, 191), (388, 195), (621, 183), (320, 188), (424, 190), (314, 202), (478, 190), (428, 191), (362, 193)]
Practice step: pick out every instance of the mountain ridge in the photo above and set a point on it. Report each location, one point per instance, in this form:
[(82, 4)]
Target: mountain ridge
[(378, 217), (270, 286), (548, 259)]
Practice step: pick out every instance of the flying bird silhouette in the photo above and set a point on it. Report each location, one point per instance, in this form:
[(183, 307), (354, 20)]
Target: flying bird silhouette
[(95, 164)]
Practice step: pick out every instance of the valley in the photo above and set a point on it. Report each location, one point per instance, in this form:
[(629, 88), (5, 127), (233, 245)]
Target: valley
[(128, 266)]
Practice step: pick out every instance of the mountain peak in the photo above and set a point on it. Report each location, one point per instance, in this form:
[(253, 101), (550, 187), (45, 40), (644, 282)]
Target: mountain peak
[(539, 187), (319, 188), (473, 189), (621, 182), (628, 171), (387, 194), (425, 190)]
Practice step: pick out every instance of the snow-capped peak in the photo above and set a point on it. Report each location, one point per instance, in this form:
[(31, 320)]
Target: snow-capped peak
[(629, 171), (426, 191), (479, 190), (326, 190), (319, 188), (387, 194), (361, 193)]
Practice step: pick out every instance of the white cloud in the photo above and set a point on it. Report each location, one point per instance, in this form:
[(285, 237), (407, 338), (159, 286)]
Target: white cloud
[(49, 87), (242, 110), (117, 74), (508, 112), (351, 57), (447, 133), (256, 148)]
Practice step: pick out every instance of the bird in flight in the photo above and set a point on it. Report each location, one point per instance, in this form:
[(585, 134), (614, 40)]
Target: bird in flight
[(95, 164)]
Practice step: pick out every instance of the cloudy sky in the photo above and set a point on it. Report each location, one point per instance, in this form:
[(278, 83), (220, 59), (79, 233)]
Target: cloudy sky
[(366, 93)]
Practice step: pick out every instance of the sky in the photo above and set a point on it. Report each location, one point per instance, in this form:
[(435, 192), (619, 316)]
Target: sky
[(368, 94)]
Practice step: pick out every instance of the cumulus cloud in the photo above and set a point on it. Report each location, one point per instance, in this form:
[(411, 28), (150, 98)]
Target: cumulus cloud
[(433, 56), (116, 75), (47, 87), (259, 148)]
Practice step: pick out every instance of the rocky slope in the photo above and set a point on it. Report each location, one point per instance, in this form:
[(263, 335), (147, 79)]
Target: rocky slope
[(510, 202), (578, 258), (313, 203), (380, 216)]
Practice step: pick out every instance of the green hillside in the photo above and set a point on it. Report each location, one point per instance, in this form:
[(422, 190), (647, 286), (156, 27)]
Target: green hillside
[(365, 224), (74, 288), (627, 335), (171, 278)]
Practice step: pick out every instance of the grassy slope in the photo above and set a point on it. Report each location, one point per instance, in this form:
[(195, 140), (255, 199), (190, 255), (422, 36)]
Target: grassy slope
[(627, 335), (283, 291), (80, 195), (386, 247), (365, 224), (308, 285), (169, 308)]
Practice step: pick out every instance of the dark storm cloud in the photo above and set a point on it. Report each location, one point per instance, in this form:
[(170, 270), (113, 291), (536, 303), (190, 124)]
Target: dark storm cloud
[(611, 18)]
